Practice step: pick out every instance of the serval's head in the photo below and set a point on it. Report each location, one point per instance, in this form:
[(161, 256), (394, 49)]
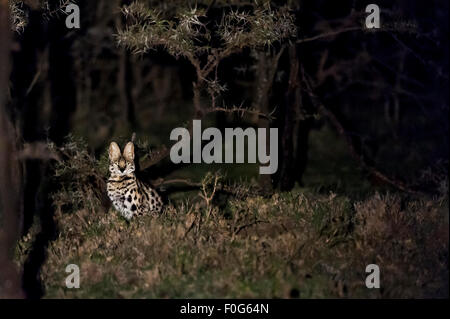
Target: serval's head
[(121, 164)]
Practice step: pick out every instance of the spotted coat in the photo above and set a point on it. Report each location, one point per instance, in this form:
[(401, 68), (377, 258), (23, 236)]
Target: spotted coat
[(129, 195)]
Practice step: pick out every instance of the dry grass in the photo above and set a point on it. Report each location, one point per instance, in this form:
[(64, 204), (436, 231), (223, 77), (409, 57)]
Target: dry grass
[(290, 245)]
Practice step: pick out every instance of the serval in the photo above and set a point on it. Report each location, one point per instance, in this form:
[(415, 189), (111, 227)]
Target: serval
[(129, 195)]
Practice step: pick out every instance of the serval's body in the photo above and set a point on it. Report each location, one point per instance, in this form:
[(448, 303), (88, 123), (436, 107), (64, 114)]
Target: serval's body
[(129, 195)]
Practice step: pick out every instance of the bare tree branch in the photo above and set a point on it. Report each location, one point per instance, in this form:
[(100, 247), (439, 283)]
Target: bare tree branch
[(353, 150), (330, 34)]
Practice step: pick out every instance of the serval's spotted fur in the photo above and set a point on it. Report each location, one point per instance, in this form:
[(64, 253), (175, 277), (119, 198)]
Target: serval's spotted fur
[(129, 195)]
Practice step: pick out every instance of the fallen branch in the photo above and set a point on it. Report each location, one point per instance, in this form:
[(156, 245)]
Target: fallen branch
[(235, 190), (161, 153), (38, 150), (161, 182)]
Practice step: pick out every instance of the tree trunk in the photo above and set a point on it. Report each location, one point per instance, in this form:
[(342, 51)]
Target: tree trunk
[(292, 106), (296, 127), (266, 67), (261, 103), (10, 172)]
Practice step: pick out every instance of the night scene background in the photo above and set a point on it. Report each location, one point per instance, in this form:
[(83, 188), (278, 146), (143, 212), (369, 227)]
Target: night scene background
[(362, 118)]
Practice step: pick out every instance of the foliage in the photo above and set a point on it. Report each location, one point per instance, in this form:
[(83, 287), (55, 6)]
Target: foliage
[(203, 39), (293, 244), (262, 28), (19, 17), (184, 33), (19, 11), (79, 176)]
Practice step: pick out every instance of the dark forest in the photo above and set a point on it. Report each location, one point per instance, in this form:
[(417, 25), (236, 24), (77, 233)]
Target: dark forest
[(362, 148)]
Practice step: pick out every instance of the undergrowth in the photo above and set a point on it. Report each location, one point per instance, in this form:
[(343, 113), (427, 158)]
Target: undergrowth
[(292, 244)]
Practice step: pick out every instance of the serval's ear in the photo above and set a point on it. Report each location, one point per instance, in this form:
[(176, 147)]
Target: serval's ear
[(128, 152), (114, 152)]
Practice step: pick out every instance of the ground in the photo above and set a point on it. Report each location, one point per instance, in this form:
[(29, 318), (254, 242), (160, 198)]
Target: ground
[(296, 244)]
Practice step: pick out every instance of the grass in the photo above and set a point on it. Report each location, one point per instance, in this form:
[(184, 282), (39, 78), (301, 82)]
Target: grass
[(311, 242), (294, 244)]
